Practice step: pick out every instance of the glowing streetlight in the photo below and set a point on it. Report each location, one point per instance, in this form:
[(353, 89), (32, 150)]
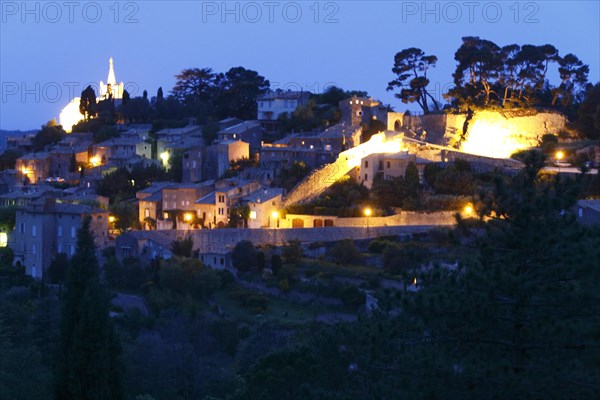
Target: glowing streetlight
[(187, 217), (275, 216), (560, 155), (468, 209), (95, 161), (164, 156), (111, 219), (368, 213)]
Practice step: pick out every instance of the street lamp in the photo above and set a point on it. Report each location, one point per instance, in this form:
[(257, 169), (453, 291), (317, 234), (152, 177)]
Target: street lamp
[(559, 157), (468, 210), (188, 217), (368, 213)]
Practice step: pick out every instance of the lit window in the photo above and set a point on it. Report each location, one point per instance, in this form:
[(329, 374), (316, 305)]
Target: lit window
[(33, 230), (3, 239)]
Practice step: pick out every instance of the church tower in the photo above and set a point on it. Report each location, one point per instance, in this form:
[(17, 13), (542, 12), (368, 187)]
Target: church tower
[(111, 87)]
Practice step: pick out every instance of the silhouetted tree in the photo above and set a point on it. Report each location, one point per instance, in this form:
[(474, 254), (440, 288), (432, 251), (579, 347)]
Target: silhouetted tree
[(88, 363)]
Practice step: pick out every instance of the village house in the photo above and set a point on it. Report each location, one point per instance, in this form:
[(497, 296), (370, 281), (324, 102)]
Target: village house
[(220, 155), (246, 131), (264, 205), (388, 166), (213, 209), (273, 104), (33, 168), (49, 227)]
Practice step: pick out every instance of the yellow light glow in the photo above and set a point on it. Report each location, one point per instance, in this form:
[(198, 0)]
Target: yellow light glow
[(468, 209), (414, 281), (70, 115), (164, 156), (188, 217), (489, 138), (368, 212), (252, 214), (3, 239), (560, 155), (111, 219), (95, 161), (378, 144), (275, 214)]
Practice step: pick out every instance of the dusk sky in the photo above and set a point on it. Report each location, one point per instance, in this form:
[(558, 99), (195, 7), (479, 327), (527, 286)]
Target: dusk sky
[(50, 51)]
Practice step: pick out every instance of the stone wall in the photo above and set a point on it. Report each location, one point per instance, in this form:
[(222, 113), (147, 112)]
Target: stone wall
[(403, 218), (447, 129), (318, 181), (222, 240)]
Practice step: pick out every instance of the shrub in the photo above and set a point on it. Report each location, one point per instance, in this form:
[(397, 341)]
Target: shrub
[(345, 252), (352, 297), (244, 256)]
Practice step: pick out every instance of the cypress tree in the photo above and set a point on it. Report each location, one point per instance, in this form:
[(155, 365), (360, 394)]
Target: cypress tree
[(88, 363)]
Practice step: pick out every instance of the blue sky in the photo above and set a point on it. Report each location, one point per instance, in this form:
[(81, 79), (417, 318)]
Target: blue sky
[(50, 50)]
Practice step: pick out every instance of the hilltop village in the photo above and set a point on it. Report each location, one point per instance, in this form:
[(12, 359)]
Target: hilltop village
[(243, 238)]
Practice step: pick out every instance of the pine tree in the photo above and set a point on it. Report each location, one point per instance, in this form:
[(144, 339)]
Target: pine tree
[(519, 321), (88, 364)]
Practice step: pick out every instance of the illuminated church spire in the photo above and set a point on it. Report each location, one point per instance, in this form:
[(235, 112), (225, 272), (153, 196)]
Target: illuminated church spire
[(70, 115), (111, 88), (111, 74)]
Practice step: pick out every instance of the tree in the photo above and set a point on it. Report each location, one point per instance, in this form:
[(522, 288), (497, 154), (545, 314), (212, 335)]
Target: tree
[(260, 260), (88, 364), (411, 66), (453, 181), (183, 247), (57, 271), (7, 218), (411, 180), (197, 89), (126, 216), (292, 252), (522, 310), (573, 75), (276, 264), (107, 132), (87, 104), (244, 256), (238, 92), (345, 252), (51, 133), (589, 113), (175, 171), (8, 159), (479, 65)]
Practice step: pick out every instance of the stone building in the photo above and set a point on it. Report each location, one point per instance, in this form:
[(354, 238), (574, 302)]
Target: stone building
[(246, 131), (265, 205), (49, 227), (361, 110), (33, 167), (388, 166), (273, 104)]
